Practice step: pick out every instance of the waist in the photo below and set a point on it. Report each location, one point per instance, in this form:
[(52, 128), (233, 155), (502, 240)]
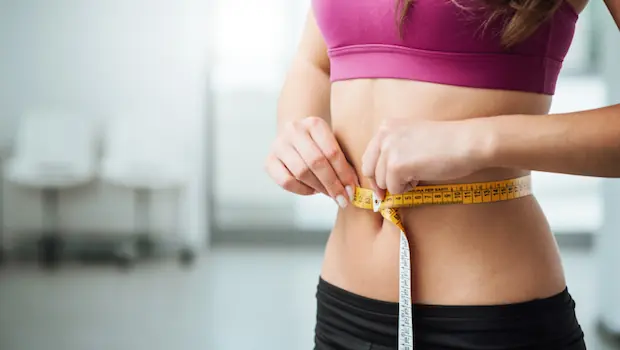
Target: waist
[(478, 70), (461, 254), (451, 221)]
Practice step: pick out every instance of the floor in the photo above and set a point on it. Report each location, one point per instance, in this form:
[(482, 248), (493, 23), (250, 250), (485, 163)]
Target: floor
[(253, 298)]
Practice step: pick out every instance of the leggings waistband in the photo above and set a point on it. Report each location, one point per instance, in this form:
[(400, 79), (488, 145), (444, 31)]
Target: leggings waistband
[(540, 323), (559, 301)]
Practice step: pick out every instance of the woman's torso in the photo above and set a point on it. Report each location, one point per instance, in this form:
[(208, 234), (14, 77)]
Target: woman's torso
[(481, 254)]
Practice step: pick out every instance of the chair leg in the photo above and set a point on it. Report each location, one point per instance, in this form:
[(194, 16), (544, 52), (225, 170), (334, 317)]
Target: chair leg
[(3, 254), (51, 244), (129, 251), (187, 254), (126, 254), (144, 242)]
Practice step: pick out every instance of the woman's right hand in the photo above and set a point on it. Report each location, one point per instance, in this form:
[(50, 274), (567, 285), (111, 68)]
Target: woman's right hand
[(306, 159)]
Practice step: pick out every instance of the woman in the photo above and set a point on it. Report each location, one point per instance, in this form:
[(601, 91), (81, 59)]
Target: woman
[(389, 96)]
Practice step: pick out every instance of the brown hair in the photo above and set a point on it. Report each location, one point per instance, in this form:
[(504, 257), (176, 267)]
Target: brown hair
[(522, 17)]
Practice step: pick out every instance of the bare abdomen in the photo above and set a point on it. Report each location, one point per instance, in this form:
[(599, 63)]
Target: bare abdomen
[(476, 254)]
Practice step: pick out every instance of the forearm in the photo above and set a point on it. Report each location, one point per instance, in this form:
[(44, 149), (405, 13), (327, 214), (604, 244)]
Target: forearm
[(306, 92), (580, 143)]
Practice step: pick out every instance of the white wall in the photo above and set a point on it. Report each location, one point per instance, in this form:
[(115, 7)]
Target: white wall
[(247, 79), (100, 58)]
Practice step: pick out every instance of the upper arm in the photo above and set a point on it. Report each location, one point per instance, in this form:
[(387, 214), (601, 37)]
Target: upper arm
[(312, 47), (614, 8)]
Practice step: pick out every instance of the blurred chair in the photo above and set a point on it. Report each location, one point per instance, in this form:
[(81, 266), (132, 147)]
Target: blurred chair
[(52, 151), (5, 148), (140, 153)]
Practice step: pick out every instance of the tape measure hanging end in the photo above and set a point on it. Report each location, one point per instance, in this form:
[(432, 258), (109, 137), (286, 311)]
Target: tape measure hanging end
[(484, 192)]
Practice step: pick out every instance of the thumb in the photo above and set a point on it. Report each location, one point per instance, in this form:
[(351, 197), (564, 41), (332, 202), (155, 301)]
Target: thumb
[(379, 192)]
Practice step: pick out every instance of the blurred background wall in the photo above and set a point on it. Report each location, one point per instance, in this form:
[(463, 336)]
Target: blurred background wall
[(102, 59)]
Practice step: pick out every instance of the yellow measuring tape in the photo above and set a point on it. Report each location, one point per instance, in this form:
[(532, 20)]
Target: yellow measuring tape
[(472, 193)]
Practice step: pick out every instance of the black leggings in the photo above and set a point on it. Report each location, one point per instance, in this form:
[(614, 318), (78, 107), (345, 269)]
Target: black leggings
[(346, 321)]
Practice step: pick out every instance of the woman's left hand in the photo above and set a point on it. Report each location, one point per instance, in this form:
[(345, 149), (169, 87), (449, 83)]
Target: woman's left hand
[(402, 153)]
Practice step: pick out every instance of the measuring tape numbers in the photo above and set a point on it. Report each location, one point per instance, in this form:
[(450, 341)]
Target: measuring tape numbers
[(472, 193)]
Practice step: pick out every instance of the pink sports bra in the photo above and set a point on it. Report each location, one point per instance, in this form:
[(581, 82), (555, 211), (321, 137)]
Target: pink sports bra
[(442, 43)]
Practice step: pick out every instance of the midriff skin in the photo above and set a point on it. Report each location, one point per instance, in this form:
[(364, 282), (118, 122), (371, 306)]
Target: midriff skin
[(483, 254)]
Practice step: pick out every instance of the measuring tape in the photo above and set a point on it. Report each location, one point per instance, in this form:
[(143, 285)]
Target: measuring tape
[(473, 193)]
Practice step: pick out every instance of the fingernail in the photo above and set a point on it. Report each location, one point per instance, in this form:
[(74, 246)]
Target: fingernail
[(350, 192), (341, 201)]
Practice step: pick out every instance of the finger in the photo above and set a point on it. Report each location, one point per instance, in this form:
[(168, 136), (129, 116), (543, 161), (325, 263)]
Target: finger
[(324, 138), (394, 180), (379, 192), (298, 168), (280, 174), (320, 166), (395, 184), (371, 156), (381, 171), (399, 179)]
